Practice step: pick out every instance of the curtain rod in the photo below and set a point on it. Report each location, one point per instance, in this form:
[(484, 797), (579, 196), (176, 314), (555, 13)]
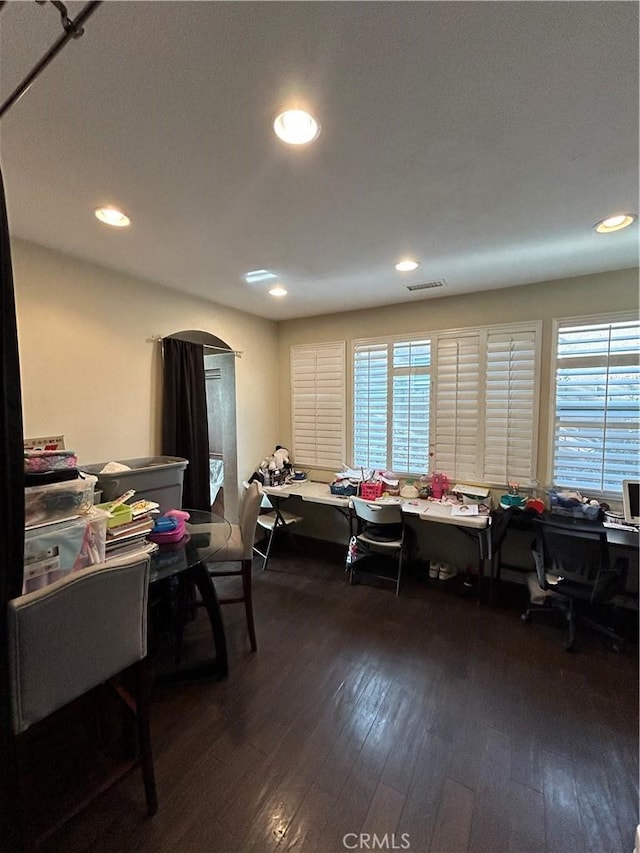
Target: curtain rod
[(72, 29), (155, 338)]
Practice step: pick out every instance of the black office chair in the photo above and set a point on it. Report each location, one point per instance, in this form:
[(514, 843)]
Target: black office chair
[(381, 533), (572, 568)]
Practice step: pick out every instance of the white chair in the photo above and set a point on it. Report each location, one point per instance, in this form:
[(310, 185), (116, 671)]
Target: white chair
[(239, 548), (66, 639), (272, 522), (381, 533)]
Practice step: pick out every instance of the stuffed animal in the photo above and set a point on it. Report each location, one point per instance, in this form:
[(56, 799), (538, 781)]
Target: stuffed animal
[(280, 459), (275, 470)]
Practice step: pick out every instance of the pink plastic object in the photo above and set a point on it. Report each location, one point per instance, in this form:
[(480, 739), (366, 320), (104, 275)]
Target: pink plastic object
[(172, 535), (179, 514), (436, 486)]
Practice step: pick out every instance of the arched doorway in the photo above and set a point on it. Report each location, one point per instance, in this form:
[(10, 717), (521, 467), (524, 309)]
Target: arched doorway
[(220, 379)]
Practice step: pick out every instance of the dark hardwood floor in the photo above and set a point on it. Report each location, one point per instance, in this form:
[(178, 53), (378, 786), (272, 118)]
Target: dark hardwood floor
[(455, 727)]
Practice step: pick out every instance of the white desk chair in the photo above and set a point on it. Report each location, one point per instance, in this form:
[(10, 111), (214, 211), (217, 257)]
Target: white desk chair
[(381, 532), (277, 520)]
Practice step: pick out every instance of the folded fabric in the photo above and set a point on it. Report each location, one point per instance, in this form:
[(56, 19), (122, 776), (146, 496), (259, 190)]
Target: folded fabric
[(49, 460)]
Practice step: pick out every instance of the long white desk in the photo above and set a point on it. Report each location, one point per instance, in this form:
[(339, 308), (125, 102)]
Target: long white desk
[(308, 490), (426, 510), (476, 526)]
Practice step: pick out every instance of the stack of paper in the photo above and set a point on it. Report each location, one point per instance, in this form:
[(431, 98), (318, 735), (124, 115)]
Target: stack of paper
[(356, 474), (135, 532), (464, 509), (367, 475)]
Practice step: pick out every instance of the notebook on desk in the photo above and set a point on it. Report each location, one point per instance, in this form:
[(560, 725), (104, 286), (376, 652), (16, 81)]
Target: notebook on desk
[(614, 525)]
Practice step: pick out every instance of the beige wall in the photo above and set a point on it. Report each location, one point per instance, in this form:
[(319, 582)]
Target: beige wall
[(90, 373), (611, 291)]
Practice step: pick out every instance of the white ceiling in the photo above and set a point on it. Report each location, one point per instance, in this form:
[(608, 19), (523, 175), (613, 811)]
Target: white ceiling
[(483, 138)]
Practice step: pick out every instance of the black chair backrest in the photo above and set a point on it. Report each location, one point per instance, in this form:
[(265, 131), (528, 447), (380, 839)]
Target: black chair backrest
[(498, 530), (576, 553)]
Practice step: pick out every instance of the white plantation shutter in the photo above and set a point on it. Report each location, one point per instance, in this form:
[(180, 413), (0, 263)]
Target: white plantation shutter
[(318, 405), (485, 404), (370, 404), (456, 415), (510, 407), (597, 399), (391, 388), (410, 407)]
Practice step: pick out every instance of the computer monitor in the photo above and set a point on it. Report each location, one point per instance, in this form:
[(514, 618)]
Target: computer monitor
[(631, 501)]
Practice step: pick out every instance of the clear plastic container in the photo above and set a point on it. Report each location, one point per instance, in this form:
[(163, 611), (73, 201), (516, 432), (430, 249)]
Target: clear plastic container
[(54, 550), (55, 501)]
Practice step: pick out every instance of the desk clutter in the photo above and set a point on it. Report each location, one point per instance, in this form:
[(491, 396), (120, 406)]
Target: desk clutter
[(276, 469), (385, 487), (76, 517), (64, 532), (572, 503), (128, 525)]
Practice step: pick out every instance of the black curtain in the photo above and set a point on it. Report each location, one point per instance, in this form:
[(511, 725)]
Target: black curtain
[(11, 488), (184, 417)]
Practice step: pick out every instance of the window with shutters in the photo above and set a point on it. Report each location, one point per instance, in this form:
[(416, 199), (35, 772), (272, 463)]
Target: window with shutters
[(457, 419), (318, 405), (511, 406), (485, 404), (467, 396), (391, 394), (596, 418)]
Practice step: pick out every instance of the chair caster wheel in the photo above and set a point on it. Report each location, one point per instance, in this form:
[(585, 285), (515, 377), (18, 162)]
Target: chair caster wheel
[(525, 617)]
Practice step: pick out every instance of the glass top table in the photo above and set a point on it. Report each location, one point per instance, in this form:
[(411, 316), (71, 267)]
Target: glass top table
[(205, 535), (185, 560)]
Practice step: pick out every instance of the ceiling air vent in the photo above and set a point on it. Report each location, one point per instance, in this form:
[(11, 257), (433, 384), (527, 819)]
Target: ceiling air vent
[(427, 284)]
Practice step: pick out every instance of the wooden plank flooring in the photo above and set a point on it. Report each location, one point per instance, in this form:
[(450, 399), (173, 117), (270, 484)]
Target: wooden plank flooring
[(451, 726)]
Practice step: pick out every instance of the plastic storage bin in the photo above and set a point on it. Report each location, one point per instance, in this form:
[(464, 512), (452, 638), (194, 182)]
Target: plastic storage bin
[(371, 491), (156, 478), (561, 505), (44, 504), (343, 490), (54, 550)]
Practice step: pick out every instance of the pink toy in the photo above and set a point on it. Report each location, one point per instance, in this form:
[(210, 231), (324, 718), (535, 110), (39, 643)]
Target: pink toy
[(439, 485), (177, 533)]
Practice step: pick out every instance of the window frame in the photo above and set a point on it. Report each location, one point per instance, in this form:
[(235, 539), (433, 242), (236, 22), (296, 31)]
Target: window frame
[(557, 324), (389, 341), (434, 337)]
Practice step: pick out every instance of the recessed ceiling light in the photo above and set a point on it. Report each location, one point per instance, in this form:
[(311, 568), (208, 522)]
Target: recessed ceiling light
[(259, 276), (408, 265), (112, 216), (278, 290), (615, 223), (296, 127)]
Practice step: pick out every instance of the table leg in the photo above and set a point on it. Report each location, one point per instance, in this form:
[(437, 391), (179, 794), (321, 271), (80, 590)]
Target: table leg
[(209, 597), (217, 667)]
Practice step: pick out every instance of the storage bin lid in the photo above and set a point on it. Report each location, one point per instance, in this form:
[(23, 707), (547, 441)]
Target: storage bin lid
[(142, 464)]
